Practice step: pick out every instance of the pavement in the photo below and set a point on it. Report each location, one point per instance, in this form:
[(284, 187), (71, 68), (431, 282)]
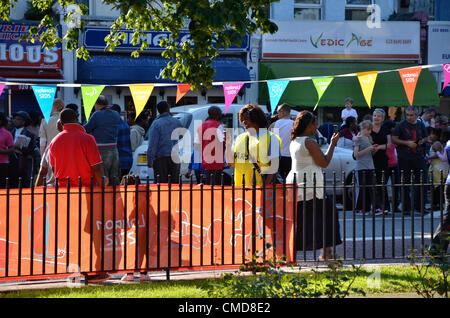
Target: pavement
[(369, 241), (11, 286)]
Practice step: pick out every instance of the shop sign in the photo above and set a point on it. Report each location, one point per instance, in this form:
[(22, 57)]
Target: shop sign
[(23, 54), (394, 40), (438, 42), (94, 40)]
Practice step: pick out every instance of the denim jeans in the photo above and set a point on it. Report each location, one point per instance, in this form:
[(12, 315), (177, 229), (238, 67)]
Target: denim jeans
[(440, 236), (411, 168)]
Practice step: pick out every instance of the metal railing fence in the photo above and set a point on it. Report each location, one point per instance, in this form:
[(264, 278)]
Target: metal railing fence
[(46, 231)]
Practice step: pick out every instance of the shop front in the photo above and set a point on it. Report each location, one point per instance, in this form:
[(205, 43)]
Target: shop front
[(344, 48), (25, 63), (120, 68), (439, 53)]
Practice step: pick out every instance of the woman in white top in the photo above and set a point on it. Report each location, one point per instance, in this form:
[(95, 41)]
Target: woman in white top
[(307, 163)]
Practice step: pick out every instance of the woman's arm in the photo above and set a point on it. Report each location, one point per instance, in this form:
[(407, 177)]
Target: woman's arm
[(321, 159), (389, 142), (229, 154), (7, 151), (361, 153)]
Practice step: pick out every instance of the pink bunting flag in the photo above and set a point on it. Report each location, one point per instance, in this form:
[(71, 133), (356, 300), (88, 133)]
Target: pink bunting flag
[(446, 75), (230, 91), (2, 86)]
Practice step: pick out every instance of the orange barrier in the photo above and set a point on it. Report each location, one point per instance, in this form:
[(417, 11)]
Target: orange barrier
[(95, 231)]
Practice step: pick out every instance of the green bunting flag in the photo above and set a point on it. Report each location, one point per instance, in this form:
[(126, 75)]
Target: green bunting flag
[(90, 95), (321, 85)]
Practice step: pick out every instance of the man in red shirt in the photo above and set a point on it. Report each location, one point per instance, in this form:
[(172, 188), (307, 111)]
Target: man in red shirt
[(73, 153), (209, 141)]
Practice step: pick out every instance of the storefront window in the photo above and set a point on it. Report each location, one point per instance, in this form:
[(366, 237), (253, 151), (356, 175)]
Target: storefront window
[(307, 9), (150, 107), (426, 6), (356, 10), (219, 100), (186, 100)]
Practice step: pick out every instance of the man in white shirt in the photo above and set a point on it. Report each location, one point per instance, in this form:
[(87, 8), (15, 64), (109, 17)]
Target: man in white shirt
[(348, 110), (48, 131), (283, 127)]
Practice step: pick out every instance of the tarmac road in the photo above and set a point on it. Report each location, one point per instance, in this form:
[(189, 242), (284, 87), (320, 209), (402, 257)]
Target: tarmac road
[(367, 237)]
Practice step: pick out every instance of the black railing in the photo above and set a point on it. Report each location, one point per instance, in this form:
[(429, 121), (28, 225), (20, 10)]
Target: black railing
[(48, 231)]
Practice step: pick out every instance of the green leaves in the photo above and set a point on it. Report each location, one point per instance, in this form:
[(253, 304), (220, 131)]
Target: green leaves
[(212, 25)]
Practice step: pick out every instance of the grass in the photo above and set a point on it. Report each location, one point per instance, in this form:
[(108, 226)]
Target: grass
[(393, 279)]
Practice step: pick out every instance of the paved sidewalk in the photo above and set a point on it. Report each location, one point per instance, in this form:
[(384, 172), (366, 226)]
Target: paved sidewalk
[(161, 276)]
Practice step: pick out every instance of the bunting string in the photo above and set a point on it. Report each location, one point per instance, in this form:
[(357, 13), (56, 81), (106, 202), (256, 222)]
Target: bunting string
[(45, 94)]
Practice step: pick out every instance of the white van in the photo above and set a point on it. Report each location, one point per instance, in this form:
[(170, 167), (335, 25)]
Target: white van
[(188, 115)]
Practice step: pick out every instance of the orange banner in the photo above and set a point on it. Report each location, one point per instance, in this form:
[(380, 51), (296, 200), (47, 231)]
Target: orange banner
[(182, 89), (90, 232), (410, 77)]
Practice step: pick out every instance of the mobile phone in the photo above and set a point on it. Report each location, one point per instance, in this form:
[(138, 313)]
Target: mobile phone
[(335, 128)]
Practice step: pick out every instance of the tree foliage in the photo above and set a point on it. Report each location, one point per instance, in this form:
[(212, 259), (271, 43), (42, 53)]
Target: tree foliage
[(212, 24)]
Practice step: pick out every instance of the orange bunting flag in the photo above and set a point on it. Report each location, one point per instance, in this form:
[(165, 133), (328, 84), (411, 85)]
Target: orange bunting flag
[(410, 77), (182, 89)]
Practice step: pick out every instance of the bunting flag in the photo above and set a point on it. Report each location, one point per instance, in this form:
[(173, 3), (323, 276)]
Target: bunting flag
[(367, 81), (410, 77), (2, 86), (230, 91), (141, 94), (90, 95), (276, 90), (321, 85), (182, 89), (45, 94), (446, 76)]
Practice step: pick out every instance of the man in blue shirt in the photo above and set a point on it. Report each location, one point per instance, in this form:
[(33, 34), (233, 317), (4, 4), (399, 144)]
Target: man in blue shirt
[(123, 145), (104, 126), (327, 128), (160, 145)]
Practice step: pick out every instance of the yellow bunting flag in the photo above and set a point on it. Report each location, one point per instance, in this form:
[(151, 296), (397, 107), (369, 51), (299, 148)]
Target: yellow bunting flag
[(182, 89), (367, 81), (140, 93)]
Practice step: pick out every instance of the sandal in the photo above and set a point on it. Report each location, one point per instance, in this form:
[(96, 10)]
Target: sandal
[(144, 278), (329, 259), (128, 277), (98, 278)]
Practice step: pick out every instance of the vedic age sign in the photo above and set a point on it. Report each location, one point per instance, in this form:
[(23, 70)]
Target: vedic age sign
[(394, 40)]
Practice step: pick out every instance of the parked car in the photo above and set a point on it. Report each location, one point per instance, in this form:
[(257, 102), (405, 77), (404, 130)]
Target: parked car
[(191, 117)]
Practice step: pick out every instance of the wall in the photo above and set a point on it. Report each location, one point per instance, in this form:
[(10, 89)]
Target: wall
[(99, 9), (20, 7), (442, 10), (333, 10)]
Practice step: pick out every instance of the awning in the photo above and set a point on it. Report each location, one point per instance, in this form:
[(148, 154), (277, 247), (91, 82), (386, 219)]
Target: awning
[(388, 89), (123, 69), (31, 75)]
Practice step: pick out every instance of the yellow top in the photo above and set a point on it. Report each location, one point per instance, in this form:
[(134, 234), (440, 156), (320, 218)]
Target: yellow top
[(262, 149)]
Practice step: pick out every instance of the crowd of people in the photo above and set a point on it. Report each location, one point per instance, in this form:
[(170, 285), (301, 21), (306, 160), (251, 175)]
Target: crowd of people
[(272, 147), (25, 139)]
